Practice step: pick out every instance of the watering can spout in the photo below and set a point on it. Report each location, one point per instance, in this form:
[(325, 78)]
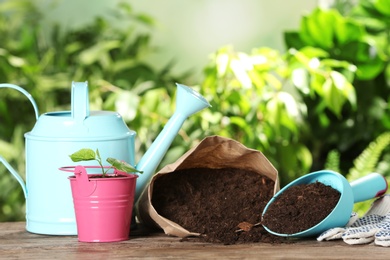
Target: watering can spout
[(188, 102)]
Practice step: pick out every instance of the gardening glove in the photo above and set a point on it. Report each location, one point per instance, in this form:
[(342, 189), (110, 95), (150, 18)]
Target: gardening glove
[(337, 232), (373, 226)]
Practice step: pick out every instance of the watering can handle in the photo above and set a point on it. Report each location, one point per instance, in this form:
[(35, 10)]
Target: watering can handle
[(5, 163), (28, 95), (368, 187), (80, 101), (15, 174)]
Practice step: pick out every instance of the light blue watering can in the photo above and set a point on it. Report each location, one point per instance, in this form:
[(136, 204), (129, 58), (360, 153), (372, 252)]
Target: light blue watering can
[(49, 205)]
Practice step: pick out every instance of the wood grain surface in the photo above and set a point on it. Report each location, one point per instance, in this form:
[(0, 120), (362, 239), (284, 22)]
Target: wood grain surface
[(17, 243)]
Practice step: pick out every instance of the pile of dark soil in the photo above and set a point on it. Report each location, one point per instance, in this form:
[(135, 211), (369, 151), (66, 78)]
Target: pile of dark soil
[(224, 205), (300, 207)]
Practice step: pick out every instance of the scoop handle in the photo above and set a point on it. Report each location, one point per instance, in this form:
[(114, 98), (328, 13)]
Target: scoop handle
[(368, 187)]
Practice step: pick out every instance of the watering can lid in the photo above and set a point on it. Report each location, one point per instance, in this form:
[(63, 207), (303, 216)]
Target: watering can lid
[(80, 122)]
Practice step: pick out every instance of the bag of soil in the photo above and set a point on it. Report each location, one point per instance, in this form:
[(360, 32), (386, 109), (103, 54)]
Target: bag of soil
[(206, 184)]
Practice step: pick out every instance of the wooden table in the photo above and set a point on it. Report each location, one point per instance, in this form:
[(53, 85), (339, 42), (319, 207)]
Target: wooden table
[(17, 243)]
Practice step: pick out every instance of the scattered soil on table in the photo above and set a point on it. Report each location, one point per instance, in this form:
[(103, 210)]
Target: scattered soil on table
[(224, 205), (300, 207)]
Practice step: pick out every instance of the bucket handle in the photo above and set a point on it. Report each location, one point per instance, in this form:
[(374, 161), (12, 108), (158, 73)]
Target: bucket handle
[(85, 187)]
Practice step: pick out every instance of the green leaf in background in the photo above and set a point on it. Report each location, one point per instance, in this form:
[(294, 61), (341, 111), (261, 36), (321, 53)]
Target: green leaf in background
[(317, 28), (332, 95), (343, 38), (240, 66), (126, 103), (382, 6), (296, 160), (328, 30), (387, 74), (337, 90), (371, 65), (282, 111), (97, 52), (348, 30), (222, 62)]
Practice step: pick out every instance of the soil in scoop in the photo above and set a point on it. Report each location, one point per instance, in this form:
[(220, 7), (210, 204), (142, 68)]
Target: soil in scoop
[(300, 207), (222, 204)]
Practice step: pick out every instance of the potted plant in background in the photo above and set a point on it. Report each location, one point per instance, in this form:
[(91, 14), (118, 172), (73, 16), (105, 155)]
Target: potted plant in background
[(103, 202)]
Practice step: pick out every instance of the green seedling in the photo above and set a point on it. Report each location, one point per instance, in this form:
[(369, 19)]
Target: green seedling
[(87, 154)]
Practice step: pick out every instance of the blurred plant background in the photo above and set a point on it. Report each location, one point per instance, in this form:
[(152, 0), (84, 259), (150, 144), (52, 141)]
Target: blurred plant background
[(323, 102)]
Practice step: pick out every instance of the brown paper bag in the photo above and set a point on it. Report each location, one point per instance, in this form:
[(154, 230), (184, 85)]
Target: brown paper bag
[(213, 152)]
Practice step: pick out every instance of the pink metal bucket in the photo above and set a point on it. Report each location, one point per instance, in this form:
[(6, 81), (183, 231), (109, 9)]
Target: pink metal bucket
[(103, 206)]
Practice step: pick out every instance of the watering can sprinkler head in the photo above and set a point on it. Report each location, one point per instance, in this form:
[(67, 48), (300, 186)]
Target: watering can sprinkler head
[(188, 102)]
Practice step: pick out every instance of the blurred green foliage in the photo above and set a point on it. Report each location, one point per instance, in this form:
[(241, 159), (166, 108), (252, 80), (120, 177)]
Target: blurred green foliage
[(320, 104), (329, 90), (370, 160), (111, 59)]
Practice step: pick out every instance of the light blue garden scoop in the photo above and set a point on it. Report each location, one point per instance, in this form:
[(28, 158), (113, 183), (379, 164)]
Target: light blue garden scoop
[(56, 135), (365, 188)]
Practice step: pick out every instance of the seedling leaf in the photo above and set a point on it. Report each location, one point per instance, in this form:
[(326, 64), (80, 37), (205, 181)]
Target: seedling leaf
[(83, 155), (87, 154), (121, 165)]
